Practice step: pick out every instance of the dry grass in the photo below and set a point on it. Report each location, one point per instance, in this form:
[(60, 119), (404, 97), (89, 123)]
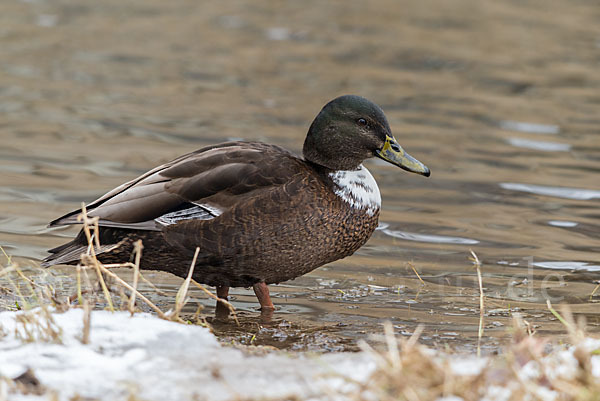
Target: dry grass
[(37, 325), (407, 370), (37, 303), (412, 266), (90, 260), (27, 294), (481, 301), (412, 372)]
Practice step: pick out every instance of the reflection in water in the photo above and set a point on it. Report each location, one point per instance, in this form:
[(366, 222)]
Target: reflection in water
[(566, 265), (539, 145), (560, 192), (436, 239), (88, 103), (562, 223), (529, 127)]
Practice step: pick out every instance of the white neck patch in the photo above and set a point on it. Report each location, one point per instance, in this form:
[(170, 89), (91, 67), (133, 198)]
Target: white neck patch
[(358, 188)]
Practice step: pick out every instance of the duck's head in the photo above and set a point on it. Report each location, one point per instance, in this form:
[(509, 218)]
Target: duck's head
[(350, 129)]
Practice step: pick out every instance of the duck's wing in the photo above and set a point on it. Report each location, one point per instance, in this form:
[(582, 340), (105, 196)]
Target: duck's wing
[(200, 185)]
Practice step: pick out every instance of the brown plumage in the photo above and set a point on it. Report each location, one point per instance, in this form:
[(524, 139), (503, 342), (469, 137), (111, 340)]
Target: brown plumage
[(259, 214)]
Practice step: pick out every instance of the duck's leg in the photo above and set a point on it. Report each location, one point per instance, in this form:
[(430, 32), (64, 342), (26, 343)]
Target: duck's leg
[(223, 292), (222, 311), (262, 293)]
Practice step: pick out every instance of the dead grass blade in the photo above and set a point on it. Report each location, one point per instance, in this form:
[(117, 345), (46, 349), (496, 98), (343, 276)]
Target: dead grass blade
[(90, 260), (481, 301), (415, 270), (87, 321), (140, 275), (221, 300), (37, 325), (122, 282), (180, 298), (79, 293), (87, 222), (136, 271), (594, 291)]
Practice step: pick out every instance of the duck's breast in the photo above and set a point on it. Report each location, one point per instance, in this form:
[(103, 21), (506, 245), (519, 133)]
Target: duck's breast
[(357, 188)]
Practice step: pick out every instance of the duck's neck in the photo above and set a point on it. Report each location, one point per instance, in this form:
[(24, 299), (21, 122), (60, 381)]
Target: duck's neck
[(357, 188)]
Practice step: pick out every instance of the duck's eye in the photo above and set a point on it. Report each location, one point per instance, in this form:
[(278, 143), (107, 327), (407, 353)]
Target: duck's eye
[(362, 121)]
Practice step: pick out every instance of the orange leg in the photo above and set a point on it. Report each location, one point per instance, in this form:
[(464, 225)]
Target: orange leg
[(223, 292), (262, 293), (222, 311)]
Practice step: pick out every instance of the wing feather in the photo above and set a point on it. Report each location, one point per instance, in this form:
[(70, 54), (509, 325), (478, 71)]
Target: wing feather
[(217, 177)]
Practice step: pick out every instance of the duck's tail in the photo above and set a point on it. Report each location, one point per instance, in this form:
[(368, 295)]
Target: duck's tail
[(70, 253)]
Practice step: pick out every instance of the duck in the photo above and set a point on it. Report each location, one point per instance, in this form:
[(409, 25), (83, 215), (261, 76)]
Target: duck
[(258, 213)]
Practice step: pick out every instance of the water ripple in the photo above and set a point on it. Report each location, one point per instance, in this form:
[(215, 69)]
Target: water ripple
[(562, 223), (436, 239), (23, 225), (539, 145), (531, 128), (566, 265), (559, 192)]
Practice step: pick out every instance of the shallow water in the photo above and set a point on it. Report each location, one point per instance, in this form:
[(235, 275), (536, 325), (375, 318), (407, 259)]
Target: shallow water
[(500, 100)]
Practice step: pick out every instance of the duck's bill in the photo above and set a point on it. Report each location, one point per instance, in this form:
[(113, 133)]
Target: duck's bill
[(393, 153)]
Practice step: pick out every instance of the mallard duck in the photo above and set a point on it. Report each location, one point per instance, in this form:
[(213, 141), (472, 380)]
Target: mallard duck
[(259, 214)]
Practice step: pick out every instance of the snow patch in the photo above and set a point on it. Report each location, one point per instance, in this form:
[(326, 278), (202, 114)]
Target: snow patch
[(468, 366), (156, 359)]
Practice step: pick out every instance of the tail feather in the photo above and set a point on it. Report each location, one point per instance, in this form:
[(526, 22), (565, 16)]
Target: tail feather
[(65, 254), (70, 253), (79, 240)]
